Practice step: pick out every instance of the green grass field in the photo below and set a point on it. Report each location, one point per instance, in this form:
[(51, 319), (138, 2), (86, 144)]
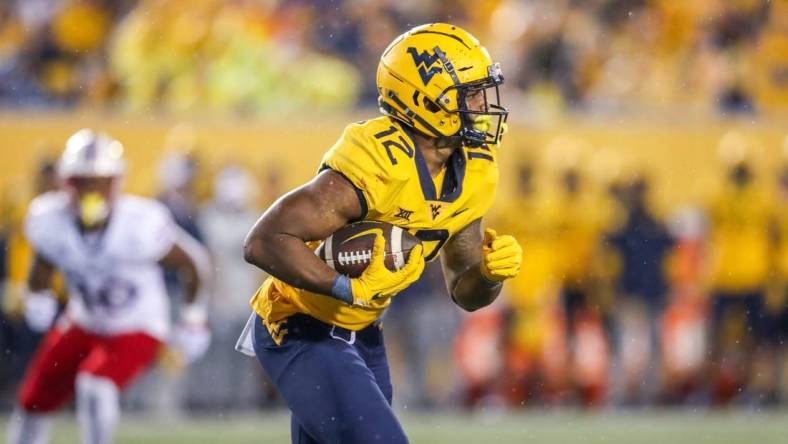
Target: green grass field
[(649, 427)]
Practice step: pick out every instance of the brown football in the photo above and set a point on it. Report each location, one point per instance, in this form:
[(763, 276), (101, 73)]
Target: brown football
[(349, 249)]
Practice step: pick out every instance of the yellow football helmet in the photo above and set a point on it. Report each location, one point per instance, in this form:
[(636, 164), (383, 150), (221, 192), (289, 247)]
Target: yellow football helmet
[(427, 77)]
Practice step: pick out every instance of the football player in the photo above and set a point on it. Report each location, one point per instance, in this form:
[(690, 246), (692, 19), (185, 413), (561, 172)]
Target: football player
[(110, 247), (427, 165)]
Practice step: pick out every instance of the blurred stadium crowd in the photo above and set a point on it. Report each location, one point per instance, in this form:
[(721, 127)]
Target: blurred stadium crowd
[(620, 303), (269, 56), (626, 303)]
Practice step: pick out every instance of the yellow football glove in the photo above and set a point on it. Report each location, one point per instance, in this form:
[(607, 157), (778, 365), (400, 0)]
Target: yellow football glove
[(378, 281), (501, 256)]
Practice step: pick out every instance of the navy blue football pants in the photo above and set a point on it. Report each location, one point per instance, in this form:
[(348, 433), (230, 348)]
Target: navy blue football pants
[(335, 382)]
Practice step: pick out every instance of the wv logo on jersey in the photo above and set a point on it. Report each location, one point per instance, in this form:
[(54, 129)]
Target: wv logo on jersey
[(436, 210), (424, 62)]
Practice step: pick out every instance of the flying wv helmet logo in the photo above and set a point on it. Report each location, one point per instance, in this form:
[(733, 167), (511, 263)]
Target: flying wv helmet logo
[(424, 62)]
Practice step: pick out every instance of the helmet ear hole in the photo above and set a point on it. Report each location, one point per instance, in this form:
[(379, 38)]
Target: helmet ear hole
[(431, 106)]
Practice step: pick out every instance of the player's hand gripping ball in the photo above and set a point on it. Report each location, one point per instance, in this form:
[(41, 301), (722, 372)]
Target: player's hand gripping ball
[(378, 281), (375, 259), (501, 256)]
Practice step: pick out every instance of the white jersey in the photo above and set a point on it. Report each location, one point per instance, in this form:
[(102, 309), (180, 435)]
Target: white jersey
[(114, 280)]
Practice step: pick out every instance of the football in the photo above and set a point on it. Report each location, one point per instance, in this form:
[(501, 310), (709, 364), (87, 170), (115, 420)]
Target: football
[(349, 249)]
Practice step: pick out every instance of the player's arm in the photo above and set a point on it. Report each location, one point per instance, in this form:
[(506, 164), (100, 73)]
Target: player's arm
[(40, 303), (461, 258), (193, 264), (311, 212), (276, 243), (477, 265), (41, 274)]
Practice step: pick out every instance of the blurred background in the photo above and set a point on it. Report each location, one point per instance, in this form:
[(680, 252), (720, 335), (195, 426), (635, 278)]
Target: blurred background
[(645, 174)]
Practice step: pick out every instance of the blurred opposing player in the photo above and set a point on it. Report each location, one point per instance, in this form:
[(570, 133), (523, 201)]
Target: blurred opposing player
[(110, 247), (429, 166)]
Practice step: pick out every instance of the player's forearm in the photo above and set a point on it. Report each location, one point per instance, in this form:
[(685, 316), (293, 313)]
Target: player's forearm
[(287, 258), (472, 292), (192, 287), (193, 263), (310, 212), (41, 274)]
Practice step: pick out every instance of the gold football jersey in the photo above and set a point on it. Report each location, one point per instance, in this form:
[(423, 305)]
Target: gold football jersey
[(740, 243), (381, 159)]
